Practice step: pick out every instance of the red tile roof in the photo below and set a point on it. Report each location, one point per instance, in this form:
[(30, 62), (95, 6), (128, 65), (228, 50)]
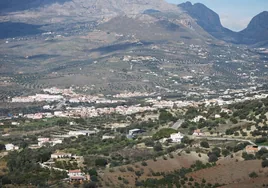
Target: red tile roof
[(75, 171)]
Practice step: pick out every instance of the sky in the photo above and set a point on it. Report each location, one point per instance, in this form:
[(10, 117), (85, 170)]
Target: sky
[(234, 14)]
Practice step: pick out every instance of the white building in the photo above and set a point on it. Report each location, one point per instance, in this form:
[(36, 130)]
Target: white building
[(52, 142), (82, 133), (104, 137), (60, 155), (76, 175), (11, 147), (197, 119), (176, 137), (15, 123)]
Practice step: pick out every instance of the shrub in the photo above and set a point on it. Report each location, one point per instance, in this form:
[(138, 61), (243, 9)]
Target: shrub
[(138, 173), (125, 181), (204, 144), (164, 157), (130, 169), (253, 175), (212, 157), (264, 163), (143, 163), (163, 133), (171, 149), (122, 169), (158, 147), (101, 162)]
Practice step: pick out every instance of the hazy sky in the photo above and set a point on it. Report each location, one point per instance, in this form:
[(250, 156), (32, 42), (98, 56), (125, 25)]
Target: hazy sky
[(234, 14)]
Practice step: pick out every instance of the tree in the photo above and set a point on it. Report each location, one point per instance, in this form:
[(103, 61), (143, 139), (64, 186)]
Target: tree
[(212, 158), (166, 116), (92, 172), (158, 146), (185, 124), (163, 133), (204, 144), (62, 122), (186, 140), (264, 163), (101, 162), (2, 147), (216, 151), (90, 185), (149, 142), (225, 152), (143, 163), (233, 120)]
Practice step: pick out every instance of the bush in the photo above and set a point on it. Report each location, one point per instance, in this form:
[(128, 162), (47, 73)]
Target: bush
[(264, 163), (204, 144), (166, 116), (130, 169), (122, 169), (143, 163), (94, 178), (125, 181), (164, 157), (261, 140), (138, 173), (163, 133), (212, 158), (186, 140), (158, 147), (171, 149), (233, 120), (101, 162), (253, 175), (225, 152), (92, 172)]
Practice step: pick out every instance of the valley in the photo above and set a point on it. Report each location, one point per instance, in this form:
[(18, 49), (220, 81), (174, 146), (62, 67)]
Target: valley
[(130, 93)]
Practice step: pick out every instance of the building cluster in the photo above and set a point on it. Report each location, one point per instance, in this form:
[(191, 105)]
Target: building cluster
[(133, 94), (38, 98), (94, 112), (138, 58)]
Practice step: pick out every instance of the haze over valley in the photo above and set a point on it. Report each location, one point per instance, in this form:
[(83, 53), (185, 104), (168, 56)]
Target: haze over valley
[(131, 93)]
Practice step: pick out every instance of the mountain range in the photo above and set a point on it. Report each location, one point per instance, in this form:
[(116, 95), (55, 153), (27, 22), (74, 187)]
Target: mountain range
[(187, 20), (256, 31)]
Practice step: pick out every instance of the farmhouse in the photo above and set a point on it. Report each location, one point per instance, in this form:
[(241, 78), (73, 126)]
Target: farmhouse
[(82, 133), (198, 132), (11, 147), (250, 149), (60, 155), (77, 175), (176, 137)]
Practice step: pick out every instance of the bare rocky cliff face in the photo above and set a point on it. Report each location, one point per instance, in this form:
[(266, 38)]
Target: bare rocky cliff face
[(256, 32)]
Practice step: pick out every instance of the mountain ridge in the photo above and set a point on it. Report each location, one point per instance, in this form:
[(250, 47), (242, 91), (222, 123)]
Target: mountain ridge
[(255, 32)]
